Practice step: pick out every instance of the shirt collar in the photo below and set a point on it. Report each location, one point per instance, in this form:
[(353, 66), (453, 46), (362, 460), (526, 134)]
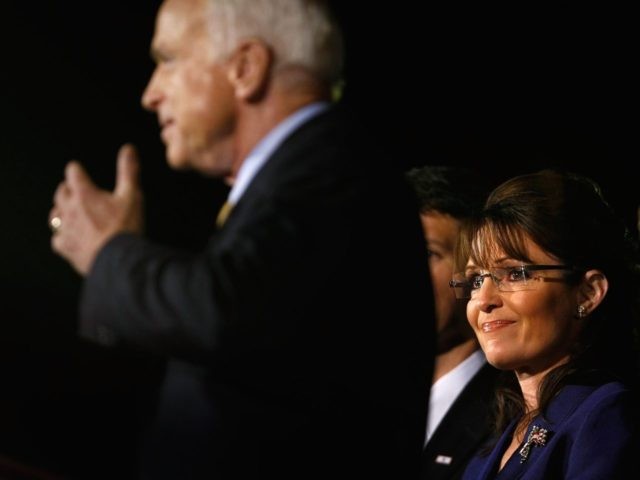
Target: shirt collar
[(265, 147)]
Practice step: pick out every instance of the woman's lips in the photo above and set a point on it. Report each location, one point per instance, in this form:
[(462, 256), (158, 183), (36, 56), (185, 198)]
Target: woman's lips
[(495, 325)]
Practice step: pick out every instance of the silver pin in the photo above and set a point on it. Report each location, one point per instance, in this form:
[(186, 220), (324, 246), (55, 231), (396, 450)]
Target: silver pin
[(537, 437)]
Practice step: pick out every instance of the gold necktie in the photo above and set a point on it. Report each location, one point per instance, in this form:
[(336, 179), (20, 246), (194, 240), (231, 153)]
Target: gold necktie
[(223, 214)]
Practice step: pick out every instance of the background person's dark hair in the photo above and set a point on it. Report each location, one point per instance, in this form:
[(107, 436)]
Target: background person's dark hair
[(456, 191), (567, 216)]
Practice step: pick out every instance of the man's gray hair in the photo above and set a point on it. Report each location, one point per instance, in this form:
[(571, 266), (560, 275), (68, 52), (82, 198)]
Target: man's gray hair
[(301, 33)]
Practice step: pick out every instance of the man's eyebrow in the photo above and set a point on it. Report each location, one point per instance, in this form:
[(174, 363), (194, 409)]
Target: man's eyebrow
[(438, 243)]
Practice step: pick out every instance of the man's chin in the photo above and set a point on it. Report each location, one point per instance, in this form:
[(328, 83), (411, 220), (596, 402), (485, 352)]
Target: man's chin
[(211, 163), (177, 161)]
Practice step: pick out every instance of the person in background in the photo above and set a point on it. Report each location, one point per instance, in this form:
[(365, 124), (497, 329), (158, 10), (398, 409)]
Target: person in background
[(296, 342), (463, 382), (552, 279)]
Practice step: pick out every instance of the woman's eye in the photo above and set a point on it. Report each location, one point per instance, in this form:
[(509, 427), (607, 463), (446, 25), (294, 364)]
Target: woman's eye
[(476, 281), (517, 274)]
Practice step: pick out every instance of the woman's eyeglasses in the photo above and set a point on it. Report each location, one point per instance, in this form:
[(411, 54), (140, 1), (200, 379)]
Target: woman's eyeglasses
[(507, 279)]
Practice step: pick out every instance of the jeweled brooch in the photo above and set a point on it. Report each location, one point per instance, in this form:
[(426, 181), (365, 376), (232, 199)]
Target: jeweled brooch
[(537, 438)]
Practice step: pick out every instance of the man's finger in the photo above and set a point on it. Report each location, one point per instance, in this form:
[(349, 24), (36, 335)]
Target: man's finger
[(61, 194), (128, 170)]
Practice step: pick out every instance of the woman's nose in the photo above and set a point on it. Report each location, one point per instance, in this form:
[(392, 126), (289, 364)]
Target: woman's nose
[(488, 295)]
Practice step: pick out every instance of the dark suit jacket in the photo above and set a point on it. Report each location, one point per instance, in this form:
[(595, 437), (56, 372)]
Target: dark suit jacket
[(464, 428), (301, 340), (591, 434)]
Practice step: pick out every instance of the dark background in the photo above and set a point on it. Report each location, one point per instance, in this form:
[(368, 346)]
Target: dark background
[(506, 91)]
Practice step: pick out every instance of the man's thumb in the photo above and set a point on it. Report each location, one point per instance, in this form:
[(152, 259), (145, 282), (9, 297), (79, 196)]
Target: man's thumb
[(128, 170)]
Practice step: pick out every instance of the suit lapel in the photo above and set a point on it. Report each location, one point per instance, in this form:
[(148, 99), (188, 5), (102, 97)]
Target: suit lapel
[(463, 429)]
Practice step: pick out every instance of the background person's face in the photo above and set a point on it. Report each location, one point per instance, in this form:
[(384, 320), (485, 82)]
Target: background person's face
[(441, 232), (190, 91)]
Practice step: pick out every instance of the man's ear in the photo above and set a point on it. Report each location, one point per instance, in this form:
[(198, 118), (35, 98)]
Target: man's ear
[(592, 290), (249, 69)]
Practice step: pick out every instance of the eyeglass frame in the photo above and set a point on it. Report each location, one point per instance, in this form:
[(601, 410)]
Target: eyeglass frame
[(458, 285)]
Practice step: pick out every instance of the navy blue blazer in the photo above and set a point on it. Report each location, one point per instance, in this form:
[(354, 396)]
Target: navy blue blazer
[(300, 341), (591, 434)]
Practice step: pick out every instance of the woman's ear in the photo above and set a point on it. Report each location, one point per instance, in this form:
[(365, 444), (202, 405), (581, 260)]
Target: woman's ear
[(591, 292), (249, 69)]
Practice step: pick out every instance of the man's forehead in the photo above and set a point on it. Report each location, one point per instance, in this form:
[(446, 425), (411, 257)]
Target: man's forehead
[(177, 21), (181, 16)]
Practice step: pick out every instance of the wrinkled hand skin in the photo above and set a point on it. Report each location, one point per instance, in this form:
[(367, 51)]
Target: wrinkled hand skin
[(90, 215)]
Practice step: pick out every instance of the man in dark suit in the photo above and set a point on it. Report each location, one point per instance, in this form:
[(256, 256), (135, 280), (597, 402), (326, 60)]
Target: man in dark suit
[(300, 339), (463, 383)]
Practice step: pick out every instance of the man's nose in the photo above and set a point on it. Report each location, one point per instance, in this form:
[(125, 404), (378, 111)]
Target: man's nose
[(152, 95)]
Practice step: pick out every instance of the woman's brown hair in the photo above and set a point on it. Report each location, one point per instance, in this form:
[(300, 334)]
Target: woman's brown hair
[(566, 215)]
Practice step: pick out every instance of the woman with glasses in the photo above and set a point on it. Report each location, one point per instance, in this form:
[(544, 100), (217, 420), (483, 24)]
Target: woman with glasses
[(551, 281)]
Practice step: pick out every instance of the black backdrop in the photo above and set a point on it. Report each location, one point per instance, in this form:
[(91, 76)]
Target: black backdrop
[(507, 91)]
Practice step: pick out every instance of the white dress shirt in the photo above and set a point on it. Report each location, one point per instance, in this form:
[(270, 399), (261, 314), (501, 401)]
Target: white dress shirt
[(447, 388)]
